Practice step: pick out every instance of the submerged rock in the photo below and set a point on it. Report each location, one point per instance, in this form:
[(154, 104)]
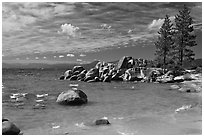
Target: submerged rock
[(187, 89), (72, 97), (174, 87), (185, 107), (9, 128), (102, 121)]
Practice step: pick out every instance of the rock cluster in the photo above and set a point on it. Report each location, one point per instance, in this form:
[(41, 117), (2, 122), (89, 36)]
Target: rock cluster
[(127, 69), (191, 83)]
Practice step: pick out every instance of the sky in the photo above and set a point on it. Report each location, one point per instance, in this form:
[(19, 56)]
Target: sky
[(56, 32)]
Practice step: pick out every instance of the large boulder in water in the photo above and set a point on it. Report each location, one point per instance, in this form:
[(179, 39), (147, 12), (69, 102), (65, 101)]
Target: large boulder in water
[(9, 128), (123, 62), (72, 97)]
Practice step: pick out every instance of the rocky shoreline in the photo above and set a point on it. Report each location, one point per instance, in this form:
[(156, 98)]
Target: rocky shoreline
[(130, 69)]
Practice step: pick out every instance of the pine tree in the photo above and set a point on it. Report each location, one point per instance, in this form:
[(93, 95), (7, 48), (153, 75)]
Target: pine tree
[(184, 37), (164, 42)]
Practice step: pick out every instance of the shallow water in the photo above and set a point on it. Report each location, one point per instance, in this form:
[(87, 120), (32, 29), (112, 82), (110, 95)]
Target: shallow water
[(131, 108)]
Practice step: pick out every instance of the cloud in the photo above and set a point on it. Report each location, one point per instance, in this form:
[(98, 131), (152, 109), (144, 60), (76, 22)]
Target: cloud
[(36, 52), (44, 57), (16, 15), (54, 56), (38, 24), (36, 57), (69, 30), (156, 24), (70, 55), (61, 56), (82, 55)]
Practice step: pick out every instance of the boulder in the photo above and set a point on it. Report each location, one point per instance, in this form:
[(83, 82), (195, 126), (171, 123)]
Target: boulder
[(102, 121), (72, 97), (188, 77), (187, 89), (174, 87), (76, 73), (98, 65), (77, 68), (68, 74), (191, 86), (117, 77), (123, 62), (91, 74), (81, 76), (74, 77), (133, 75), (9, 128), (62, 77), (165, 79), (179, 79), (96, 79), (107, 78)]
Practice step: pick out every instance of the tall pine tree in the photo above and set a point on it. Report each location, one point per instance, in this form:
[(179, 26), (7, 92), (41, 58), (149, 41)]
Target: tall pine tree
[(184, 37), (164, 42)]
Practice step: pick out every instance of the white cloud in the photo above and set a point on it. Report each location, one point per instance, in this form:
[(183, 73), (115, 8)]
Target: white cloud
[(61, 56), (16, 15), (70, 55), (69, 30), (54, 56), (44, 57), (82, 55), (36, 57), (27, 58), (156, 24), (37, 52)]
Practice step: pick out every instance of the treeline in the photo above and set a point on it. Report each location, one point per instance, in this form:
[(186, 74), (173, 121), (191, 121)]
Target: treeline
[(175, 40)]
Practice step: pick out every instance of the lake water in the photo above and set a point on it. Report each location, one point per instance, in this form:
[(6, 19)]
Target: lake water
[(131, 108)]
